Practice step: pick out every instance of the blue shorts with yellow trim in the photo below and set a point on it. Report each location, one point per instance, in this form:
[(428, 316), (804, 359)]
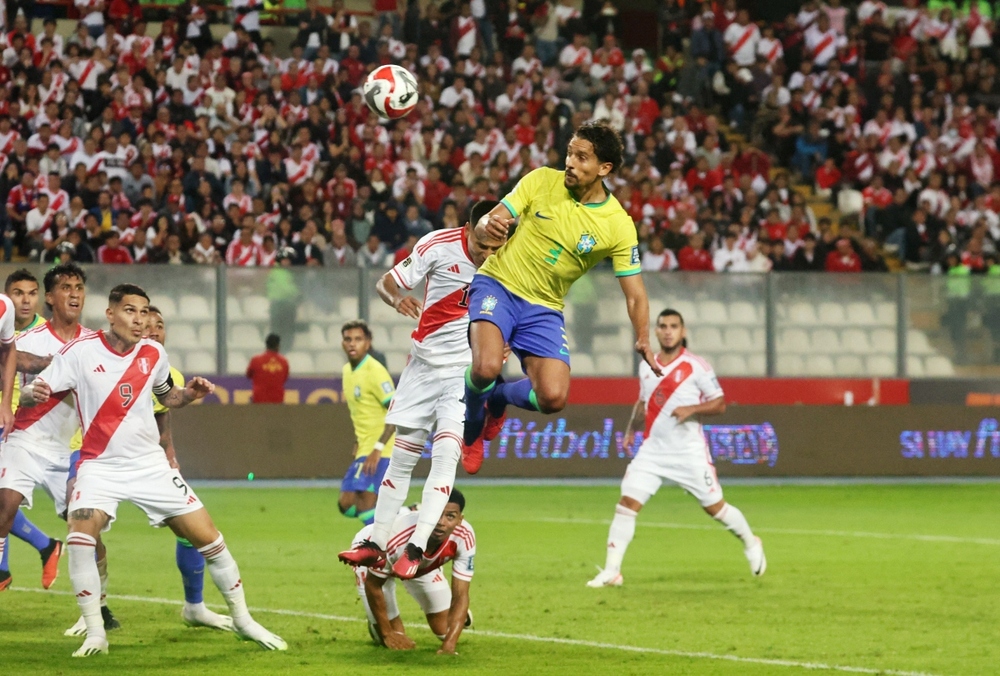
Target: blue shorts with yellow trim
[(357, 482), (74, 461), (528, 328)]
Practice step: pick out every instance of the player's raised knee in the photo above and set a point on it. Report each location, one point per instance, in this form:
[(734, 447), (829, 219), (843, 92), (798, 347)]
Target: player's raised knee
[(551, 399), (486, 370)]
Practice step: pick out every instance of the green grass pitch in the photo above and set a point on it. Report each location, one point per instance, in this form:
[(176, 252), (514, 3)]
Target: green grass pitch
[(878, 579)]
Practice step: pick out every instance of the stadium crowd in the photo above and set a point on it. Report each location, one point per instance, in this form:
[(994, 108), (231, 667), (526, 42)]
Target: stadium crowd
[(118, 147)]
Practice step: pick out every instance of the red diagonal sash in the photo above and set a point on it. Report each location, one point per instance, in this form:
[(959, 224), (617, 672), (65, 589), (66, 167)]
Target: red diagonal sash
[(664, 391)]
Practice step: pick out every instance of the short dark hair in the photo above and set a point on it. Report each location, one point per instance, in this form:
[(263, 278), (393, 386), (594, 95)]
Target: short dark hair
[(69, 269), (480, 209), (670, 312), (357, 324), (122, 290), (272, 341), (154, 309), (606, 141), (22, 275), (457, 497)]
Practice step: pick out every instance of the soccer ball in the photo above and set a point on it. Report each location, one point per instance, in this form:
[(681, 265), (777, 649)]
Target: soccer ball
[(391, 92)]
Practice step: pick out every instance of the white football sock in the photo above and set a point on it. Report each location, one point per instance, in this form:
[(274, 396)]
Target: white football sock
[(445, 454), (102, 571), (406, 451), (619, 536), (226, 576), (86, 581), (733, 519)]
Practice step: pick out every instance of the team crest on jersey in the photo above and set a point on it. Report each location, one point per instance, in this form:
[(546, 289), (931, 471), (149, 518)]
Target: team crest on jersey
[(387, 387), (489, 304), (143, 364), (586, 244), (357, 391)]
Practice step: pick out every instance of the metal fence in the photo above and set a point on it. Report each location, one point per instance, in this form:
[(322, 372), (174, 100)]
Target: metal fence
[(780, 324)]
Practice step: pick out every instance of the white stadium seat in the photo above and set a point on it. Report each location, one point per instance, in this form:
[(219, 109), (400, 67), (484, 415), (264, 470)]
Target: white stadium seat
[(802, 314), (330, 362), (742, 312), (236, 361), (384, 314), (396, 360), (687, 308), (166, 305), (176, 359), (314, 338), (348, 307), (183, 336), (793, 341), (881, 365), (612, 312), (885, 314), (234, 311), (713, 312), (614, 365), (300, 363), (855, 341), (738, 339), (256, 308), (915, 367), (245, 336), (731, 365), (756, 364), (820, 365), (849, 365), (917, 343), (195, 308), (832, 314), (825, 341), (199, 362), (861, 314), (939, 367), (582, 364), (707, 339), (790, 365), (883, 341), (206, 335)]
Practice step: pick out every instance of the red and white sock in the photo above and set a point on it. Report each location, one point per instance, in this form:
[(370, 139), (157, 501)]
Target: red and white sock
[(86, 581), (619, 536), (733, 519), (406, 451), (445, 454), (226, 575)]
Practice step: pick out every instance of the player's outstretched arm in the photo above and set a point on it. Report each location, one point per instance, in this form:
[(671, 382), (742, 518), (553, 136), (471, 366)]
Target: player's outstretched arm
[(8, 357), (394, 638), (456, 615), (32, 363), (179, 397), (389, 291), (637, 409), (496, 223), (715, 406), (638, 314)]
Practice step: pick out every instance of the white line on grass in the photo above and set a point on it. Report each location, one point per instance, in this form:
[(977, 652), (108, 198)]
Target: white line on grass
[(953, 539), (817, 666)]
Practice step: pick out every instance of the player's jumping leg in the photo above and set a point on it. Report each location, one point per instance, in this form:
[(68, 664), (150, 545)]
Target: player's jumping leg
[(191, 564), (487, 344), (734, 521), (408, 448), (50, 549), (198, 529), (619, 537), (81, 544), (445, 454)]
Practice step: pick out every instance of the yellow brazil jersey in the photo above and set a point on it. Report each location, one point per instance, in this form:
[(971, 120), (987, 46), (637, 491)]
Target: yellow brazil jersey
[(559, 239), (17, 380), (178, 379), (368, 389)]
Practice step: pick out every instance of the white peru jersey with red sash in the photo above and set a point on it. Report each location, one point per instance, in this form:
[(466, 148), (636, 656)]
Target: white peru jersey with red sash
[(46, 428), (459, 548), (442, 259), (688, 380), (114, 396)]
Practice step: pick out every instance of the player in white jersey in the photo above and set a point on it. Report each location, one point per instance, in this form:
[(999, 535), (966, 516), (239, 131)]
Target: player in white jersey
[(674, 448), (431, 387), (112, 375), (446, 608)]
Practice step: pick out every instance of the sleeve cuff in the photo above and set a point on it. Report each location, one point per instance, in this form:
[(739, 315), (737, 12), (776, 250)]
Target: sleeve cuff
[(399, 279), (628, 273), (461, 576), (510, 207), (385, 402)]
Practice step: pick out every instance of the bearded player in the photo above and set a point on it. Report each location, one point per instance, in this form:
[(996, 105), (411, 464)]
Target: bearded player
[(446, 608), (112, 375), (22, 288), (568, 222), (674, 448), (430, 389)]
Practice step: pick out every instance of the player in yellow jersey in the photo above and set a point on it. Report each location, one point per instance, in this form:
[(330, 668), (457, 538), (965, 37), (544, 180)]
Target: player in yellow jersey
[(22, 289), (368, 390), (568, 222)]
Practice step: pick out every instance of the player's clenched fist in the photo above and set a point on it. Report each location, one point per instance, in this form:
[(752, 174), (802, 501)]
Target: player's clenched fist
[(409, 306), (40, 391), (495, 226), (198, 388)]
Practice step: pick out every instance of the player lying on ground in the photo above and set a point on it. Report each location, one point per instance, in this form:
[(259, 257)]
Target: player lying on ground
[(674, 448), (112, 375), (432, 383), (368, 391), (190, 562), (568, 222), (22, 289), (446, 609)]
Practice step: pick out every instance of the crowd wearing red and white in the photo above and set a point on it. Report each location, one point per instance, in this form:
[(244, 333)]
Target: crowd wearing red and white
[(182, 149)]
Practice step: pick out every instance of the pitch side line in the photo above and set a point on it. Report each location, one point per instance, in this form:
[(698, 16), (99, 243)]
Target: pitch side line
[(816, 666), (953, 539)]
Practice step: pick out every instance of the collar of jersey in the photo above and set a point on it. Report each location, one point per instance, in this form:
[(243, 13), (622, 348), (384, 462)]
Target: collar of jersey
[(361, 362), (597, 205), (34, 322), (679, 355)]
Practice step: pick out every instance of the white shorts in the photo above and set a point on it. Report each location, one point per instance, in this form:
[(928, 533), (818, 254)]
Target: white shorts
[(431, 592), (156, 488), (22, 470), (426, 394), (693, 472)]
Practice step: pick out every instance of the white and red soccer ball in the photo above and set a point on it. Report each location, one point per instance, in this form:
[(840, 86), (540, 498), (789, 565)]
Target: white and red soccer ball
[(391, 92)]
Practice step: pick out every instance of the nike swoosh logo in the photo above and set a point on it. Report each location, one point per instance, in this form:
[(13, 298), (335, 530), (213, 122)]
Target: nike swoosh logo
[(564, 352), (538, 214)]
